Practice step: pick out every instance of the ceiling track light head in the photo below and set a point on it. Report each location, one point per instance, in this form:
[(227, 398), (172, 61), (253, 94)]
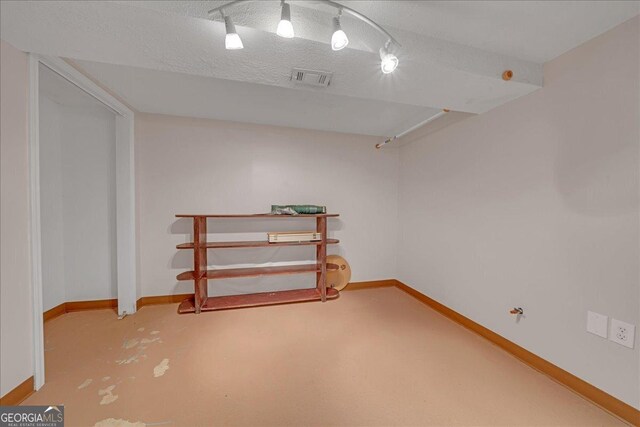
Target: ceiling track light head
[(229, 25), (339, 39), (285, 28), (286, 11), (232, 40), (388, 61)]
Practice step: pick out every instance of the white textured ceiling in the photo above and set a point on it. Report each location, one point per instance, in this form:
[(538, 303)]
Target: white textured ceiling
[(536, 31), (164, 57), (171, 93)]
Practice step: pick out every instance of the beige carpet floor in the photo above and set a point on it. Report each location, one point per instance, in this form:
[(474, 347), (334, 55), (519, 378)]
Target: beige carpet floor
[(374, 357)]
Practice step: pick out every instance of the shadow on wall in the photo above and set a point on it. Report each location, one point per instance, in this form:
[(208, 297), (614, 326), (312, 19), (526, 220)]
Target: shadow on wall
[(597, 170), (598, 179)]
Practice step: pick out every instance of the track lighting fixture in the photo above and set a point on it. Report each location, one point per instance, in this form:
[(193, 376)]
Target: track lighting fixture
[(232, 40), (339, 39), (285, 28), (388, 61)]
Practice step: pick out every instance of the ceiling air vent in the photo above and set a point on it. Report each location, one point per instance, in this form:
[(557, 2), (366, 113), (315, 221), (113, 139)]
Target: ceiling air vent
[(311, 77)]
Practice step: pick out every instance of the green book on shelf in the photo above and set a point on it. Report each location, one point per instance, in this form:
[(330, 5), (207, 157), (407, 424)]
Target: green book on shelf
[(300, 209)]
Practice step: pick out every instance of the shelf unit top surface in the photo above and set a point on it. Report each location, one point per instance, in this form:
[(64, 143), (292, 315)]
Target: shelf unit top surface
[(263, 215)]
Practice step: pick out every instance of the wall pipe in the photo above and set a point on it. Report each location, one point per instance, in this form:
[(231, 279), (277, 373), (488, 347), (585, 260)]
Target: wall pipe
[(411, 129)]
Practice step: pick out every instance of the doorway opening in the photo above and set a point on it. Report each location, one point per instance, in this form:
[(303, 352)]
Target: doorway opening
[(77, 194), (82, 213)]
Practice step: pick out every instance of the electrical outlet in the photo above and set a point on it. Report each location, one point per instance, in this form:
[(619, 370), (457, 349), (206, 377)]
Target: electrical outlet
[(597, 323), (622, 333)]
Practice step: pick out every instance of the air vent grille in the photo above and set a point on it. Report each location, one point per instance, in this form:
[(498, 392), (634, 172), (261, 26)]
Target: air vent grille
[(311, 77)]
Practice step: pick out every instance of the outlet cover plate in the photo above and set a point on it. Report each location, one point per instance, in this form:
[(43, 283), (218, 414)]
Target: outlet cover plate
[(597, 323), (622, 333)]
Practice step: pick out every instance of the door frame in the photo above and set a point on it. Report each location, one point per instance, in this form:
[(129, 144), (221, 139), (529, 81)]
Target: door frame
[(125, 197)]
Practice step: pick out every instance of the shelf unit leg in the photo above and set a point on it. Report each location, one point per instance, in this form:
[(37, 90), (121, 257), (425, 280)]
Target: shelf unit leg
[(200, 262), (321, 258)]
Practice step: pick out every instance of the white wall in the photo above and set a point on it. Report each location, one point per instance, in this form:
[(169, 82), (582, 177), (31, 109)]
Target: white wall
[(207, 166), (16, 353), (51, 207), (77, 145), (535, 204)]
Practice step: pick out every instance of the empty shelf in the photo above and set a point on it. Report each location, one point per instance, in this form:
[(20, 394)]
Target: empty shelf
[(229, 273)]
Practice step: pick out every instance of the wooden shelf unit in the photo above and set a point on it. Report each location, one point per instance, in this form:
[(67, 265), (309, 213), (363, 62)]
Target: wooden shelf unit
[(200, 274)]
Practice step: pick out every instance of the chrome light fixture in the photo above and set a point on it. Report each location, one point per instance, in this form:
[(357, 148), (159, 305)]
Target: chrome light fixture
[(285, 28), (232, 40), (388, 61), (339, 39)]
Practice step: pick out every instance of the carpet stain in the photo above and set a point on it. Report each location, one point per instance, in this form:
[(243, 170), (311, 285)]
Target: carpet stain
[(107, 390), (109, 398), (131, 343), (155, 332), (140, 329), (161, 368), (85, 383), (113, 422), (107, 395), (135, 358)]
